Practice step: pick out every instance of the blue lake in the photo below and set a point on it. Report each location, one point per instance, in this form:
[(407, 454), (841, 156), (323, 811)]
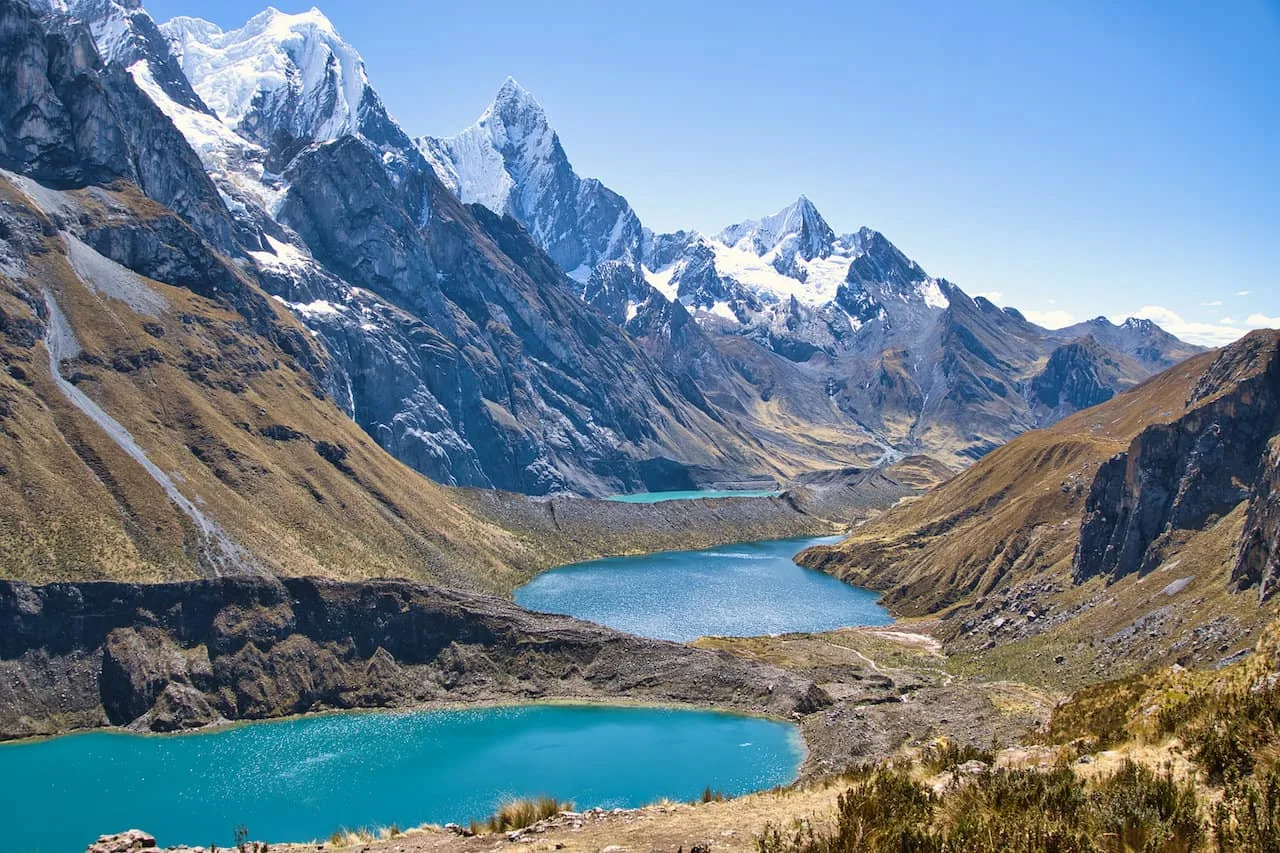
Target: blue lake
[(300, 779), (658, 497), (737, 590)]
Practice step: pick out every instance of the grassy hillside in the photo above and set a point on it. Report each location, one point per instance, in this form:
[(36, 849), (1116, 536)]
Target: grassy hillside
[(992, 550)]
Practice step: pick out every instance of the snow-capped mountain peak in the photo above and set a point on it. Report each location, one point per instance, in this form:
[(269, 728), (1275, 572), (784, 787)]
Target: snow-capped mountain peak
[(510, 160), (279, 73), (510, 150), (798, 221)]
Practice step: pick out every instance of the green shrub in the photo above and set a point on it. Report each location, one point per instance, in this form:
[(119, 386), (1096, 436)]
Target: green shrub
[(1137, 809), (1248, 817)]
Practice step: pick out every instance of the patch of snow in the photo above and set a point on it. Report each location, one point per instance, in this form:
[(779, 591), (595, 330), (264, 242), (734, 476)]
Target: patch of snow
[(932, 294), (633, 308), (318, 308), (224, 154), (475, 170), (722, 310), (282, 257), (758, 273), (662, 281), (507, 151)]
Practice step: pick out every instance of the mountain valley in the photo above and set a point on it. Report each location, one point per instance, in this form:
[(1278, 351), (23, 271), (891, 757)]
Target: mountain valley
[(293, 402)]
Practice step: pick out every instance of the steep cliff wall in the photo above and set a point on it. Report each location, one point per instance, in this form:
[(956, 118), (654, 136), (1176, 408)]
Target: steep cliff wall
[(173, 656), (1175, 475)]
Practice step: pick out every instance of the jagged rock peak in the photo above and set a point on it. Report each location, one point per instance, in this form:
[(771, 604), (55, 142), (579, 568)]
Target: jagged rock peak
[(800, 219), (511, 162), (508, 145), (512, 99)]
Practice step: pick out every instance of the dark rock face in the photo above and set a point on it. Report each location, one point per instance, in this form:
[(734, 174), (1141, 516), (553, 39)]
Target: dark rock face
[(613, 287), (882, 264), (1176, 476), (507, 379), (1258, 562), (1078, 375), (172, 656), (125, 34), (68, 120)]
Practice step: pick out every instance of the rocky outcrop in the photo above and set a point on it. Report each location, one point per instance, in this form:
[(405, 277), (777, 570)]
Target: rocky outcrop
[(1078, 375), (1175, 476), (1258, 562), (68, 120), (496, 374), (175, 656)]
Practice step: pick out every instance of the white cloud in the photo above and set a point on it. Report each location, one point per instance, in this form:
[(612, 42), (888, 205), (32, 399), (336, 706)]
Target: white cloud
[(1054, 318), (1242, 293), (1262, 321), (1217, 303), (1208, 334)]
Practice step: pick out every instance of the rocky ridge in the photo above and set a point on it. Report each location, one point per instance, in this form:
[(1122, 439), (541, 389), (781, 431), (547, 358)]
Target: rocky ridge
[(472, 366), (450, 344), (1146, 521), (877, 351), (1174, 476), (164, 657)]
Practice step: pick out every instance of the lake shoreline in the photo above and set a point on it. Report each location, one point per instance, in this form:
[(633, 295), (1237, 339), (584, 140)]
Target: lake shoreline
[(376, 769), (742, 589), (180, 656)]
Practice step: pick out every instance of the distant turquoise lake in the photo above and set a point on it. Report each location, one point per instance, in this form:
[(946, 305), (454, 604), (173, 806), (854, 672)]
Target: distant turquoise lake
[(300, 779), (742, 590), (659, 497)]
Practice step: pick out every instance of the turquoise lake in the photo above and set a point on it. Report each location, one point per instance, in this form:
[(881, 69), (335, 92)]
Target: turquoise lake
[(301, 779), (739, 590), (658, 497)]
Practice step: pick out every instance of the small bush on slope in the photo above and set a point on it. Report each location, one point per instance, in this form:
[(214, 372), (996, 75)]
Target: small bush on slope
[(518, 814), (1134, 809)]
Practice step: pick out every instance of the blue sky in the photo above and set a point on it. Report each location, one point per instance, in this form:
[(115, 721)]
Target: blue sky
[(1068, 159)]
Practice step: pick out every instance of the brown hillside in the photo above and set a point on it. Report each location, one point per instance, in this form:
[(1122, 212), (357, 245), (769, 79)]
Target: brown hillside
[(992, 549)]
